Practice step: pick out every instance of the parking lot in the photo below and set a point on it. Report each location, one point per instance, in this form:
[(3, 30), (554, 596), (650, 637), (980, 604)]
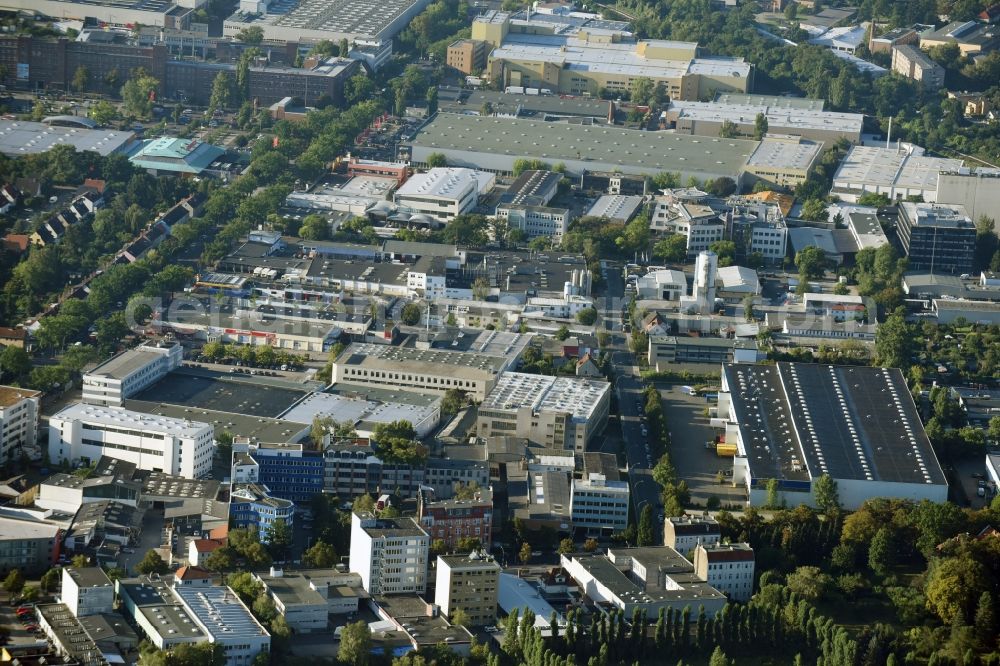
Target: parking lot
[(689, 431), (19, 635)]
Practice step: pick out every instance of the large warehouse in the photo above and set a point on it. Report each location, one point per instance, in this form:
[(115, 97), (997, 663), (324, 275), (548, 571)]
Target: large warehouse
[(794, 422), (494, 144)]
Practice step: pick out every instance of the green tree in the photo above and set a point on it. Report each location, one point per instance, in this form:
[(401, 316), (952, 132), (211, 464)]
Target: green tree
[(14, 363), (773, 494), (646, 535), (809, 583), (152, 563), (825, 493), (672, 249), (459, 617), (562, 333), (252, 35), (14, 583), (642, 91), (355, 644), (453, 401), (411, 314), (138, 94), (320, 555), (220, 559), (222, 91), (954, 586), (881, 552), (278, 537), (760, 125), (729, 129), (893, 343), (436, 160), (566, 546), (525, 552), (50, 579), (80, 78), (315, 227), (811, 261), (814, 209), (718, 658), (985, 622), (103, 112), (587, 316)]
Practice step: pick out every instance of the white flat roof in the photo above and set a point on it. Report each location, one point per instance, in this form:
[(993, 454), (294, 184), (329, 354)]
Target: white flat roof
[(220, 611), (892, 167), (732, 277), (783, 117), (784, 154), (125, 418), (514, 592), (20, 137), (353, 410), (446, 183), (576, 396)]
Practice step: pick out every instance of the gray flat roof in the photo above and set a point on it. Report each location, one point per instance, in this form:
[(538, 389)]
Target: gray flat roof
[(556, 105), (652, 152), (293, 590), (395, 527), (432, 361), (362, 17), (247, 395), (784, 154), (124, 364), (855, 423), (779, 101), (20, 137), (780, 117), (263, 428), (89, 576)]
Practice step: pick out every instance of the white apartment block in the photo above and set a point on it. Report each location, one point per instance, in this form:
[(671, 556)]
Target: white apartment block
[(557, 412), (155, 443), (444, 193), (770, 240), (390, 554), (536, 221), (469, 583), (699, 224), (599, 505), (87, 591), (18, 420), (728, 568), (683, 533), (130, 372)]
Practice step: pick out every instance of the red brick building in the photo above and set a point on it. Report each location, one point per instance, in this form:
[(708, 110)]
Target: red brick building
[(454, 519)]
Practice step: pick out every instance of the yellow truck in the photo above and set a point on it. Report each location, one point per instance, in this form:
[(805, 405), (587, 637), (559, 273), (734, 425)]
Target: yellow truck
[(724, 450)]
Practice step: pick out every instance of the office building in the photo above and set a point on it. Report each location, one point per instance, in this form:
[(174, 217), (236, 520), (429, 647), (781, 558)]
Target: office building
[(467, 55), (555, 57), (740, 112), (28, 545), (782, 161), (455, 520), (700, 224), (81, 432), (557, 412), (288, 470), (306, 599), (872, 442), (599, 503), (390, 554), (535, 221), (913, 63), (424, 370), (130, 372), (253, 507), (728, 567), (18, 421), (646, 579), (897, 172), (363, 23), (469, 583), (668, 350), (937, 238), (494, 144), (87, 591), (445, 192), (683, 533)]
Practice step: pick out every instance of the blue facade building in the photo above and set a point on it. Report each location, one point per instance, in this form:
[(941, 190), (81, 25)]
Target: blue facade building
[(252, 506), (288, 471)]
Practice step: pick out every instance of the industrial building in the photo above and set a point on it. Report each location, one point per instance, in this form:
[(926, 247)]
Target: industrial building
[(174, 446), (808, 121), (668, 350), (977, 189), (897, 172), (971, 37), (538, 53), (469, 583), (937, 238), (645, 579), (125, 13), (390, 554), (599, 503), (22, 137), (523, 105), (18, 421), (366, 22), (781, 161), (423, 370), (557, 412), (495, 144), (444, 193), (128, 373), (871, 442), (365, 409)]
